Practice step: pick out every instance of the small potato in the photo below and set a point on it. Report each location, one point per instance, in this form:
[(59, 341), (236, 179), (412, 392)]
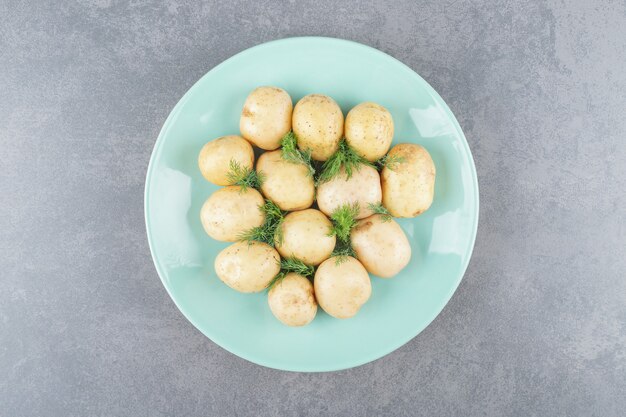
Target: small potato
[(247, 267), (409, 187), (369, 130), (318, 125), (305, 237), (215, 158), (230, 211), (292, 300), (363, 188), (381, 245), (266, 117), (287, 184), (341, 289)]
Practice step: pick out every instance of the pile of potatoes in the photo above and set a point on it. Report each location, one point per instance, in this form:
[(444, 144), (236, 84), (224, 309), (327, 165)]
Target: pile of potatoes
[(310, 222)]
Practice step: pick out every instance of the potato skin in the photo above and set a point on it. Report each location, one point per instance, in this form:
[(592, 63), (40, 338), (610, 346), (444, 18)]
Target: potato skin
[(266, 117), (363, 187), (341, 289), (229, 211), (369, 130), (247, 267), (215, 157), (409, 188), (305, 237), (287, 184), (292, 300), (318, 125), (381, 245)]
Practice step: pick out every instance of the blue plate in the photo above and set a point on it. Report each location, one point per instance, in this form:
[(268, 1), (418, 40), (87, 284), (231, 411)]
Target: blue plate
[(442, 239)]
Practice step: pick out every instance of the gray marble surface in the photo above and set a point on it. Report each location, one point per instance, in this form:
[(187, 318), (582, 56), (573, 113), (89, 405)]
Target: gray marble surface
[(538, 325)]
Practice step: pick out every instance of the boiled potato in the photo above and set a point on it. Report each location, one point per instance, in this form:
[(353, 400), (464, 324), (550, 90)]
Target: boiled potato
[(363, 188), (381, 245), (409, 187), (247, 266), (287, 184), (266, 117), (318, 125), (215, 158), (342, 288), (305, 236), (369, 130), (292, 300), (230, 211)]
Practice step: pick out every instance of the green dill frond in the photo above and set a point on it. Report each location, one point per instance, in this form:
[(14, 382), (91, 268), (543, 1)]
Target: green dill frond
[(291, 153), (243, 176), (258, 234), (277, 278), (341, 253), (289, 148), (272, 211), (378, 208), (389, 161), (274, 217), (279, 238), (269, 232), (345, 157), (291, 264), (344, 219)]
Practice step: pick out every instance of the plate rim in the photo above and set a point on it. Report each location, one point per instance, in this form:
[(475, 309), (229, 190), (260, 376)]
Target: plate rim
[(366, 358)]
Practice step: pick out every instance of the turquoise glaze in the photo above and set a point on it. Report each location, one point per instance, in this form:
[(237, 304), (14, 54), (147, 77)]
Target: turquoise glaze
[(442, 239)]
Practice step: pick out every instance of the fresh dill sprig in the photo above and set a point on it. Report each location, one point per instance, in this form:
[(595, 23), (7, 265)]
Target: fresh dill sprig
[(243, 176), (291, 264), (270, 231), (344, 219), (389, 161), (345, 157), (378, 208), (342, 251), (291, 153)]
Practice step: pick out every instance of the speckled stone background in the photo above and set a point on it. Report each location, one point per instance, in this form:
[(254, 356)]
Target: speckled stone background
[(538, 325)]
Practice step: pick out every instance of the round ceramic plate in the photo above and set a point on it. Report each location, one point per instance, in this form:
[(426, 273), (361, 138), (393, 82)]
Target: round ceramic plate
[(442, 239)]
